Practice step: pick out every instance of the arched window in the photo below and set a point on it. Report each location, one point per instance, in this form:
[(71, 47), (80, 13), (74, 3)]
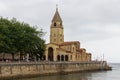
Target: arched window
[(62, 57), (54, 40), (60, 24), (58, 57), (76, 56), (54, 35), (71, 57), (60, 39), (50, 54), (66, 57), (54, 24), (73, 49)]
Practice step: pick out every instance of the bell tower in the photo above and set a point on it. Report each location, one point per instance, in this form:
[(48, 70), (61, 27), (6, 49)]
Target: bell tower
[(56, 29)]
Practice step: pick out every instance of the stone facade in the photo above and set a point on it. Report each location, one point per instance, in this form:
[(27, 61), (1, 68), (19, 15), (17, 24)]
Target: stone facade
[(60, 50)]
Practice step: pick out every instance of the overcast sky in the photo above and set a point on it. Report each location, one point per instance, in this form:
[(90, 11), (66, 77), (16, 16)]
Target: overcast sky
[(95, 23)]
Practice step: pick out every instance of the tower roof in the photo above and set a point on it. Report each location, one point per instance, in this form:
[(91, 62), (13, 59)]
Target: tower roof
[(56, 16)]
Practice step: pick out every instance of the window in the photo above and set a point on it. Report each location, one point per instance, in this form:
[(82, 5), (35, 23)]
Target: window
[(60, 39), (61, 35), (60, 24), (76, 56), (71, 57), (54, 35), (54, 24), (54, 40), (73, 49), (68, 47)]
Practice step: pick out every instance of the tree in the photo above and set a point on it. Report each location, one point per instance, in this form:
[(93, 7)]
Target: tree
[(20, 37)]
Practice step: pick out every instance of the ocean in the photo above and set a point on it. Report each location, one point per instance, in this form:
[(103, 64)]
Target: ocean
[(114, 74)]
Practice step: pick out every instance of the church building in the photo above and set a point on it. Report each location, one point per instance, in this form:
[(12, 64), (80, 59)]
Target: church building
[(58, 49)]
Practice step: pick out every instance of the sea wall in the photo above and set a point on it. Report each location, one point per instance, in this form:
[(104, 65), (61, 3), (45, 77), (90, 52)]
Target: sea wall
[(8, 70)]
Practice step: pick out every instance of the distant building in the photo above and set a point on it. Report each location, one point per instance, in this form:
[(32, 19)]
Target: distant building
[(59, 50)]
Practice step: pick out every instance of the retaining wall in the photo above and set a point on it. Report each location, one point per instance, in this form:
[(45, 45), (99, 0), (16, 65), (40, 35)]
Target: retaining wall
[(8, 70)]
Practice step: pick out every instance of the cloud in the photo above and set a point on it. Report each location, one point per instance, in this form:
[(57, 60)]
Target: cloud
[(2, 7), (97, 18)]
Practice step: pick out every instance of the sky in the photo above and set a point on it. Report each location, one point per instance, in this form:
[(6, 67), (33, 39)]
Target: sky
[(95, 23)]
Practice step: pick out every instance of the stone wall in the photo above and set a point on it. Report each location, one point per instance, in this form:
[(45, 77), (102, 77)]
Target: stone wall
[(40, 68)]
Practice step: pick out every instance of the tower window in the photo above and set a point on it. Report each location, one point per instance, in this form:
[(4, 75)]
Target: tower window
[(60, 34), (54, 40), (60, 39), (71, 57), (60, 24), (54, 24), (54, 35)]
